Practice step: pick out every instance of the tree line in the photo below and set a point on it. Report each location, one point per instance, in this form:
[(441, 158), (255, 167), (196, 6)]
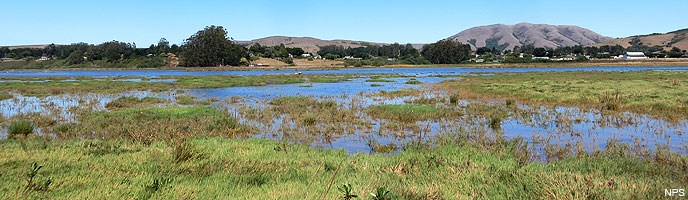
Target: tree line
[(212, 46)]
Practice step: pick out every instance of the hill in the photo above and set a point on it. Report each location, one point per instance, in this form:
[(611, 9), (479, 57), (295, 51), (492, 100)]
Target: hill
[(668, 40), (308, 44), (503, 36), (36, 46)]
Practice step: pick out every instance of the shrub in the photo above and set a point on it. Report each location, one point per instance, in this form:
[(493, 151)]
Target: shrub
[(454, 98), (20, 128), (510, 102)]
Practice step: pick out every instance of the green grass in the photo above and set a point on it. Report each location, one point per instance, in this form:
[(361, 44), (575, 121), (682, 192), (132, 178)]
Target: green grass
[(133, 102), (410, 112), (661, 94), (328, 79), (4, 95), (110, 86), (19, 129), (256, 169), (379, 80), (185, 100), (414, 82), (158, 123)]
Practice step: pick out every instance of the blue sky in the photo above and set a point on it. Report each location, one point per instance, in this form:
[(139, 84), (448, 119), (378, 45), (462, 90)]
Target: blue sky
[(144, 22)]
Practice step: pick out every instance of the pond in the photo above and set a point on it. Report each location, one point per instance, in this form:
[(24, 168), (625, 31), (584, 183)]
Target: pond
[(541, 126)]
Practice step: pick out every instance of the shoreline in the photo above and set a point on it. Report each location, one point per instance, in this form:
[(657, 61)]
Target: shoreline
[(638, 63)]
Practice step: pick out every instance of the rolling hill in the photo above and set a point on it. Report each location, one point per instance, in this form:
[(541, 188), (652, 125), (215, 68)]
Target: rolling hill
[(503, 36), (667, 40), (308, 44)]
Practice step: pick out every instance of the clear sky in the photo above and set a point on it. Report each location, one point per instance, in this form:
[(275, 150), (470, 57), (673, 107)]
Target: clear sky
[(421, 21)]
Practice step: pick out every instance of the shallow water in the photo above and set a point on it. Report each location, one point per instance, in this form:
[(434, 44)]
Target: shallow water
[(553, 125), (402, 71)]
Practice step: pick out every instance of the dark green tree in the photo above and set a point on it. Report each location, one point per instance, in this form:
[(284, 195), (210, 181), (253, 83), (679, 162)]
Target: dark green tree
[(211, 47), (539, 52), (446, 52)]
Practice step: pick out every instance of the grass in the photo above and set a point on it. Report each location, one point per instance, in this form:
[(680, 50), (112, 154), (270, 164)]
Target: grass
[(410, 112), (398, 93), (377, 79), (133, 102), (646, 92), (4, 95), (185, 100), (19, 129), (414, 82), (255, 169), (158, 123), (55, 85)]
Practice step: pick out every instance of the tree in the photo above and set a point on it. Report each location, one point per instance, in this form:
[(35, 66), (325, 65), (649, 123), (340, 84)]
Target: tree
[(211, 47), (675, 53), (446, 52), (539, 52), (163, 46), (50, 50), (75, 58)]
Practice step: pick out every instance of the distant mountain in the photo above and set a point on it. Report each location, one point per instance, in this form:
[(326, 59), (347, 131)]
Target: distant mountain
[(667, 40), (308, 44), (36, 46), (503, 36)]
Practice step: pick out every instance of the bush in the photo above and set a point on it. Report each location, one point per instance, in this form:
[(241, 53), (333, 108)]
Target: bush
[(23, 128)]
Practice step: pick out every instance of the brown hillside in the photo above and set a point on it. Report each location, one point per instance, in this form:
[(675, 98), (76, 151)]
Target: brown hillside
[(675, 39), (503, 36)]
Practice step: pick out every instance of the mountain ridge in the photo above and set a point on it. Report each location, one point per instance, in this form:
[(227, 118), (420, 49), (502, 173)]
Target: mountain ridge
[(504, 36)]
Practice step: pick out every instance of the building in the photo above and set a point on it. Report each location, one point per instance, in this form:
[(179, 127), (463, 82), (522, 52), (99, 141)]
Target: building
[(634, 55)]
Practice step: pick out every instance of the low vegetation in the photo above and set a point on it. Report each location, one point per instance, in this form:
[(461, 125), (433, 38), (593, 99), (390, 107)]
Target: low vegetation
[(255, 168), (410, 112), (648, 92), (133, 102), (157, 123), (45, 86), (4, 95)]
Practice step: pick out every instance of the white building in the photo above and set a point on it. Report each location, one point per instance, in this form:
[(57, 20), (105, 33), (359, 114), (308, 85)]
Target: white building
[(634, 56)]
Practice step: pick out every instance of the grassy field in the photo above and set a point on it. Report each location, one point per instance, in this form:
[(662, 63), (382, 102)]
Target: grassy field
[(151, 148), (210, 168), (662, 94)]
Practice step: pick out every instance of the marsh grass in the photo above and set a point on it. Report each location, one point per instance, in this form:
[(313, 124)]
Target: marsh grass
[(414, 82), (159, 123), (410, 112), (253, 169), (5, 95), (46, 86), (133, 102), (376, 79), (185, 100), (398, 93), (644, 92), (20, 129)]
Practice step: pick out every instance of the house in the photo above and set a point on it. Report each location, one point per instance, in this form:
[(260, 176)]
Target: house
[(306, 55), (351, 58), (634, 55), (43, 58)]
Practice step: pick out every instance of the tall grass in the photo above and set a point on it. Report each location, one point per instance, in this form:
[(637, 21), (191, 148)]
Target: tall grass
[(20, 129)]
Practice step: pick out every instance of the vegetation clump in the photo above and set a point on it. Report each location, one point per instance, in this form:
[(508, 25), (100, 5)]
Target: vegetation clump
[(133, 102), (159, 123), (4, 95), (20, 129), (410, 112)]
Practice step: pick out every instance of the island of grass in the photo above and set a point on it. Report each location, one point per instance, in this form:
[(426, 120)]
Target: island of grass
[(657, 93), (46, 86)]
